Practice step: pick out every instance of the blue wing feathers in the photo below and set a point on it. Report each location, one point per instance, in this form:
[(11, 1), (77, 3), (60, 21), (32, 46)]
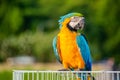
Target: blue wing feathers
[(85, 51), (55, 49)]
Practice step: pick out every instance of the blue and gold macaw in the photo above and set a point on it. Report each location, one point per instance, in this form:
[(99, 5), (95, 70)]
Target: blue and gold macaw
[(70, 47)]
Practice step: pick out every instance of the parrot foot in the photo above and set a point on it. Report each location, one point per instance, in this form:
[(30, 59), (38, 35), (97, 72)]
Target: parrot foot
[(63, 70)]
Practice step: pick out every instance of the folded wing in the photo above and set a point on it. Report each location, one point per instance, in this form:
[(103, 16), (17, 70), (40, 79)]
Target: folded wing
[(85, 51), (56, 48)]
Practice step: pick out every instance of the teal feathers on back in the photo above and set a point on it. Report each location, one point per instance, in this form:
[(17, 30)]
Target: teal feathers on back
[(62, 18), (85, 51)]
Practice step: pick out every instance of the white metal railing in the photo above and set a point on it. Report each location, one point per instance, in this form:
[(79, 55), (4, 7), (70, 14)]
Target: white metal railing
[(65, 75)]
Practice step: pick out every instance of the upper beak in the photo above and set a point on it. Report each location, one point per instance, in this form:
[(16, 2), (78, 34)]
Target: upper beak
[(80, 24)]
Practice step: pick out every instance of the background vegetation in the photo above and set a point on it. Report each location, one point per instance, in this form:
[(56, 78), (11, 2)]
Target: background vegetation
[(27, 27)]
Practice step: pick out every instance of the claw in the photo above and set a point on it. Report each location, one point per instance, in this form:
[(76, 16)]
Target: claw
[(63, 70)]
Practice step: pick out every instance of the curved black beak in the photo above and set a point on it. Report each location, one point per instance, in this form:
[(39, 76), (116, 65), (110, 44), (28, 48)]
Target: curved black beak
[(81, 23)]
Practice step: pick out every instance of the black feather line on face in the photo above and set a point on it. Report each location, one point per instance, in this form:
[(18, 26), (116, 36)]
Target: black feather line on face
[(70, 28)]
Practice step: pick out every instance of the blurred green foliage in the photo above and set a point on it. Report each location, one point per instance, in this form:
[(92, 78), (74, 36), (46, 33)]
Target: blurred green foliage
[(27, 27), (32, 44)]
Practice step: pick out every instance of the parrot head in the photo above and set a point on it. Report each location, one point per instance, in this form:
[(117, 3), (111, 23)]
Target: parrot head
[(75, 21)]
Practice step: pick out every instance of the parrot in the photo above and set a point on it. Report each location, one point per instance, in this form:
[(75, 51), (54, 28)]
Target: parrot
[(70, 47)]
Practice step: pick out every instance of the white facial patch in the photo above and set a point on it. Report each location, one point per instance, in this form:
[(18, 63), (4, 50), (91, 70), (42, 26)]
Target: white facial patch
[(75, 20)]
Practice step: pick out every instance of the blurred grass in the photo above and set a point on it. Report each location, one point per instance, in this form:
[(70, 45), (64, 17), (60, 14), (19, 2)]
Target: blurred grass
[(6, 75)]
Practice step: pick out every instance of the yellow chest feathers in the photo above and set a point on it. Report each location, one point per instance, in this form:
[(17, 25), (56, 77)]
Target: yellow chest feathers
[(68, 41)]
